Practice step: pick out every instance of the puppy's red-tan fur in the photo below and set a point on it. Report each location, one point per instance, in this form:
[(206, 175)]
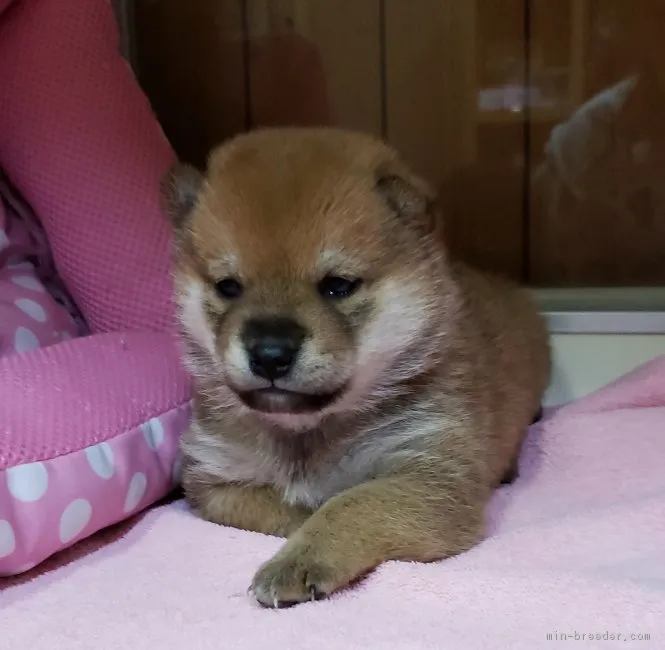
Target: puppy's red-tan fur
[(410, 394)]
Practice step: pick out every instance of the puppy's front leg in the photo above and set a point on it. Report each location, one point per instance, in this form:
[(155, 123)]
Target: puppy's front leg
[(407, 517), (256, 508)]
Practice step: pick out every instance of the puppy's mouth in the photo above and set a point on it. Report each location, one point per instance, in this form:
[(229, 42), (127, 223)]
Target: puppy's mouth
[(279, 400)]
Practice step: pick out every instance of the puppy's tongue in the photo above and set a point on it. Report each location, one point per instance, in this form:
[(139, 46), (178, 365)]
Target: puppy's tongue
[(275, 400)]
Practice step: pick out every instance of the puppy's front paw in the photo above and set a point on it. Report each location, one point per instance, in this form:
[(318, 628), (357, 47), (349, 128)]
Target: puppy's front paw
[(298, 573)]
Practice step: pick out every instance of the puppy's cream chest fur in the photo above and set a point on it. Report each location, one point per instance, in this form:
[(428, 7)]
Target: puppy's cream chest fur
[(304, 468), (300, 483)]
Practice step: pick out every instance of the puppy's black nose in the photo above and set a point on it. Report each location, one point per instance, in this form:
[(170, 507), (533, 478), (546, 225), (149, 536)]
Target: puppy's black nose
[(272, 345)]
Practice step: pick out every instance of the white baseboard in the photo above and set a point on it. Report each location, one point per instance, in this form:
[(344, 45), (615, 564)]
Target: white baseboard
[(600, 334), (583, 363)]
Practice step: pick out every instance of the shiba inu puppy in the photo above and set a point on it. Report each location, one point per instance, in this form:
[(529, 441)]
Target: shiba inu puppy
[(357, 391)]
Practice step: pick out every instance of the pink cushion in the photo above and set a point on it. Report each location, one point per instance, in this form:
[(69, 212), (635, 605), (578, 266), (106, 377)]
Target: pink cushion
[(88, 435), (78, 139), (30, 318), (88, 427), (30, 315)]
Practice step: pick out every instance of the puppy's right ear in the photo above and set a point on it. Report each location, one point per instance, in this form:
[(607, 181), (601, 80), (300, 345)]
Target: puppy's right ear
[(179, 192), (408, 197)]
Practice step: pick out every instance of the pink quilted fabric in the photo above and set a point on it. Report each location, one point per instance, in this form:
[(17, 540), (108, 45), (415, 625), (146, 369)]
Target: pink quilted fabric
[(89, 426), (85, 391), (72, 140), (88, 434)]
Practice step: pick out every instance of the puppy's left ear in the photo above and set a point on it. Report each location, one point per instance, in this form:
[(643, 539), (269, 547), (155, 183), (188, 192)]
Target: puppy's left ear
[(180, 189), (409, 198)]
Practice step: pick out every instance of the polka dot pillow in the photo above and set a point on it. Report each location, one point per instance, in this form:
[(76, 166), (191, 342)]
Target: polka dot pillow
[(33, 313), (89, 426), (30, 317)]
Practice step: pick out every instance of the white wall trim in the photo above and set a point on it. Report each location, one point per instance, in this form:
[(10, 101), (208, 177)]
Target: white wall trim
[(606, 322), (582, 363), (638, 310)]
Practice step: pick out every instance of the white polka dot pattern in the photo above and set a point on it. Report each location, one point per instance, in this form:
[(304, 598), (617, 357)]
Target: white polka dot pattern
[(20, 265), (7, 539), (27, 483), (74, 519), (153, 432), (25, 340), (136, 492), (32, 309), (47, 506), (101, 461), (28, 282), (30, 318)]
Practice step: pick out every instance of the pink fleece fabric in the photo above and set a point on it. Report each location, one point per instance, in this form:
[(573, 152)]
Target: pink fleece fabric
[(575, 547)]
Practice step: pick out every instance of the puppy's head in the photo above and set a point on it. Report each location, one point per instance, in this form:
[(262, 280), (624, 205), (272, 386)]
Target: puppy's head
[(308, 273)]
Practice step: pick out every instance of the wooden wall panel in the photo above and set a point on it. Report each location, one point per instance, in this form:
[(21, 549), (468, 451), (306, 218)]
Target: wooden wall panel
[(440, 64), (315, 62), (190, 62), (539, 122), (597, 214)]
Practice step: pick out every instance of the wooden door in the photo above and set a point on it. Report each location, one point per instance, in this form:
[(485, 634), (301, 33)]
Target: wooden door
[(597, 191), (537, 121)]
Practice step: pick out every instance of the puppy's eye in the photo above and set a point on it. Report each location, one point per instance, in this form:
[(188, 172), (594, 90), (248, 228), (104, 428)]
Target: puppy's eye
[(228, 288), (333, 286)]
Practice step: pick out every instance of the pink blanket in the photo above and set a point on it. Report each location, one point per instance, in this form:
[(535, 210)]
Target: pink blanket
[(575, 547)]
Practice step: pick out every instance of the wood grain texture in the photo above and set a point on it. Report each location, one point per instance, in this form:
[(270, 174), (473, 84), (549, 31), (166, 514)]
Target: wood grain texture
[(438, 60), (573, 198), (315, 63), (190, 62), (597, 210)]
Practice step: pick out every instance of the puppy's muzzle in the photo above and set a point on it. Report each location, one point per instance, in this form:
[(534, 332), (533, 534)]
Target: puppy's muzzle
[(272, 346)]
